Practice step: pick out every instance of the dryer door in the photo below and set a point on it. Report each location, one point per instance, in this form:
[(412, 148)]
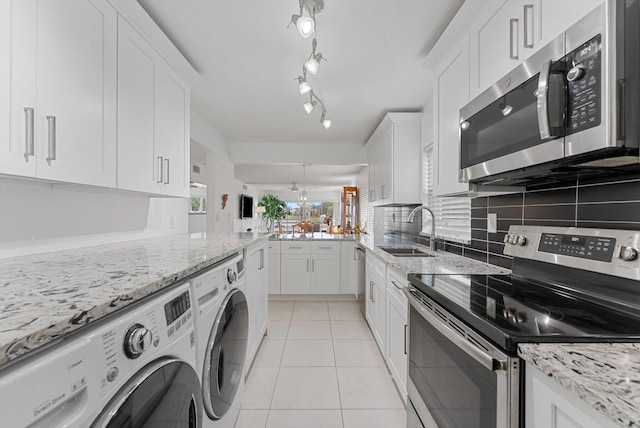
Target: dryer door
[(225, 355), (165, 393)]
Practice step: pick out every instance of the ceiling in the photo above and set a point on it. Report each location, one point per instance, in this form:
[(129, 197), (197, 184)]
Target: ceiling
[(248, 60)]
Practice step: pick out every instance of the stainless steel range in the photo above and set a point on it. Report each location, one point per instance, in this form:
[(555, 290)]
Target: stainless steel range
[(567, 285)]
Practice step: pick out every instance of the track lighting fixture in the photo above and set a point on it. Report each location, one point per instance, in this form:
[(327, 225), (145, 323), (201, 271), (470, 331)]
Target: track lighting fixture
[(307, 26)]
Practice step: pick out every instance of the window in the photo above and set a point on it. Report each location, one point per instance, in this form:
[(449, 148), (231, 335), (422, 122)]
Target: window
[(317, 212), (453, 214)]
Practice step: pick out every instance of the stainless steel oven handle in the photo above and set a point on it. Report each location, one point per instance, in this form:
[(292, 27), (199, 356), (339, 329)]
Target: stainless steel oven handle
[(488, 361), (543, 101)]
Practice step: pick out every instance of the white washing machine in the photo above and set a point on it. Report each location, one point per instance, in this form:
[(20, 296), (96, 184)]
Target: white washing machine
[(222, 326), (134, 369)]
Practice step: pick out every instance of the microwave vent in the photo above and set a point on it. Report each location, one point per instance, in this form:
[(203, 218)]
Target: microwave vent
[(612, 162)]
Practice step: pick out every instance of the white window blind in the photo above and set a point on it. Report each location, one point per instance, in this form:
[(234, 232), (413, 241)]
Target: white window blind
[(453, 215)]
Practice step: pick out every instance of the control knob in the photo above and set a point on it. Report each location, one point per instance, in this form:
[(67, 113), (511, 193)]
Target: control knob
[(137, 340), (521, 240), (576, 72), (231, 276), (628, 253)]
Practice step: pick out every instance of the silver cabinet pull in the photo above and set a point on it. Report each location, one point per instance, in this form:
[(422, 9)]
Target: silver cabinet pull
[(29, 149), (166, 167), (382, 191), (313, 265), (307, 265), (371, 290), (324, 247), (372, 195), (291, 247), (51, 121), (261, 252), (511, 39), (528, 11), (406, 351), (395, 284), (160, 169)]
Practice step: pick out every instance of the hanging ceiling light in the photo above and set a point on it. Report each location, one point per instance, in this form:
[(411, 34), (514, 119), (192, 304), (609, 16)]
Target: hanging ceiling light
[(294, 188), (303, 197), (306, 26)]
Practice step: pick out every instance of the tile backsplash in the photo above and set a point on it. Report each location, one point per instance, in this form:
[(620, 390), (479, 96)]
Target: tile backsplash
[(612, 203)]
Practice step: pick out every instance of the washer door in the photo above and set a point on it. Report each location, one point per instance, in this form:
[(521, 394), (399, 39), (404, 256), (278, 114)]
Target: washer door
[(166, 393), (225, 355)]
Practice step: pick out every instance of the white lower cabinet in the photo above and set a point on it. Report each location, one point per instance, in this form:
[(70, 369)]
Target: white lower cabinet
[(257, 277), (274, 267), (396, 351), (375, 295), (310, 267), (549, 404)]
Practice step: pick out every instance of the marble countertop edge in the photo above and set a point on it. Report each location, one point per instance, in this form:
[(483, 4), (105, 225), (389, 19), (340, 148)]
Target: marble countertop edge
[(604, 375)]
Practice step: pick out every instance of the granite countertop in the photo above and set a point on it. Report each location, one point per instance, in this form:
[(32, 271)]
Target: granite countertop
[(442, 263), (45, 296), (604, 375)]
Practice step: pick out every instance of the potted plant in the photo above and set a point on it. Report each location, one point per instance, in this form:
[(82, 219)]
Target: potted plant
[(275, 210)]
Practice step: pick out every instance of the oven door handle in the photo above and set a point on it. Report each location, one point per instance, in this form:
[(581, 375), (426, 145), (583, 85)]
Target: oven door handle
[(492, 362), (542, 103)]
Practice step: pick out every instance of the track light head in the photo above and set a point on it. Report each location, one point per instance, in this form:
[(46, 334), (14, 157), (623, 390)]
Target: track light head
[(308, 107), (313, 63), (305, 25), (304, 86), (323, 120)]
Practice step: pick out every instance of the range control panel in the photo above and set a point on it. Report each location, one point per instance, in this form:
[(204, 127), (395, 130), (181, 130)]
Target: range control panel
[(586, 247), (608, 251)]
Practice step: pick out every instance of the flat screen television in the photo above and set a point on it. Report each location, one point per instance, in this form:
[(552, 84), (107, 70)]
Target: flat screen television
[(246, 206)]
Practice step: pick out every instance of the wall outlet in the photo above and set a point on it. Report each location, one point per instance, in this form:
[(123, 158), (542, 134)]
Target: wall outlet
[(492, 222)]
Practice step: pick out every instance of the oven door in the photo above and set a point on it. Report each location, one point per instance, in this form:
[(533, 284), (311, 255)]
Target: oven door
[(456, 378), (519, 121)]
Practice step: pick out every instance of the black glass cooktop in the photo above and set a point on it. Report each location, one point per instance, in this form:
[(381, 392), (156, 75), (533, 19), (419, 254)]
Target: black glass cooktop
[(509, 310)]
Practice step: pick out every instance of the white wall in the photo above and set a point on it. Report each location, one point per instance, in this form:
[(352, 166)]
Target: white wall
[(37, 216), (220, 179), (282, 153)]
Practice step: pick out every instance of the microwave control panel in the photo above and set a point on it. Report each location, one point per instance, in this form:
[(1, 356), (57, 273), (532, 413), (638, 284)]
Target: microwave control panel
[(584, 82)]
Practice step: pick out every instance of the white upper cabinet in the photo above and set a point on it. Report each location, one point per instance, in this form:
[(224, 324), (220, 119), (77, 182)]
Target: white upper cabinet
[(153, 119), (63, 91), (393, 152), (450, 93), (506, 32)]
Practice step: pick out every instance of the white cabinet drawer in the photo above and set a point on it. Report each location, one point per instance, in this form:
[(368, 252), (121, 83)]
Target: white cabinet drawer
[(325, 248), (294, 247)]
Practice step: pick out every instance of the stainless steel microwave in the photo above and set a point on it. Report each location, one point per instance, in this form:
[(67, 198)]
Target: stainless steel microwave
[(572, 108)]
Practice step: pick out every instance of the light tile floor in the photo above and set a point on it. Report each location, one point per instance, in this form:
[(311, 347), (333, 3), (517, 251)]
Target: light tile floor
[(319, 367)]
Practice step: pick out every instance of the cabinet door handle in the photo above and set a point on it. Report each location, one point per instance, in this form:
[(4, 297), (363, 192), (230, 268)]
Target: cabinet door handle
[(307, 265), (528, 12), (28, 132), (160, 169), (295, 248), (325, 247), (261, 252), (511, 38), (395, 284), (51, 121), (382, 191), (166, 167), (371, 290), (371, 195), (406, 326), (313, 265)]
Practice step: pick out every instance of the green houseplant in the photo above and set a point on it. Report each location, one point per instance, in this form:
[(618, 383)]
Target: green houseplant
[(275, 210)]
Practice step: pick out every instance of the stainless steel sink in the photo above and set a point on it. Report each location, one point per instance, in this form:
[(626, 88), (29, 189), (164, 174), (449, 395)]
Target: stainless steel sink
[(406, 252)]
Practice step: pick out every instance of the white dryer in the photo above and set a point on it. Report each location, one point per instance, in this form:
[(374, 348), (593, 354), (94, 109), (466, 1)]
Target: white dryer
[(134, 369), (221, 339)]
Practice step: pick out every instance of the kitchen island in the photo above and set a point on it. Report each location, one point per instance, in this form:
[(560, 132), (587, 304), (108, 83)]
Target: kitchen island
[(47, 296)]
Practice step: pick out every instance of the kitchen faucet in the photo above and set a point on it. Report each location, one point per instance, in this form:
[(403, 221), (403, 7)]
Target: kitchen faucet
[(412, 214)]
